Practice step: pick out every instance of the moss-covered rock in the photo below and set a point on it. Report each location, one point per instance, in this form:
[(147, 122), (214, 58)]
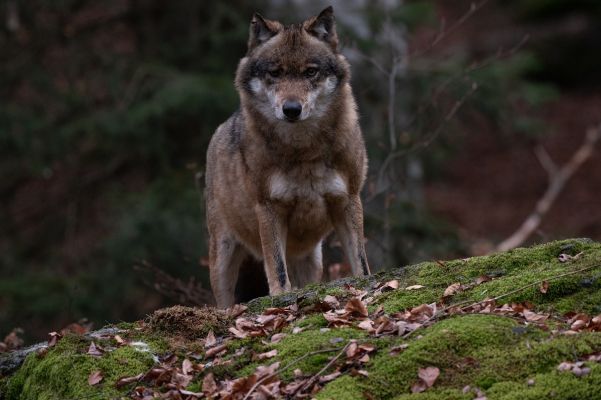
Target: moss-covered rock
[(498, 355)]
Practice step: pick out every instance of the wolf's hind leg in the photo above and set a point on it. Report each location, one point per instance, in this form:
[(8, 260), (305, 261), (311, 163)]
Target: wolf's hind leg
[(306, 269), (225, 257)]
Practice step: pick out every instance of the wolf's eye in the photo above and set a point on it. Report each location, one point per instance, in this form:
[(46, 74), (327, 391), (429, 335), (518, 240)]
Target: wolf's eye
[(275, 73), (311, 72)]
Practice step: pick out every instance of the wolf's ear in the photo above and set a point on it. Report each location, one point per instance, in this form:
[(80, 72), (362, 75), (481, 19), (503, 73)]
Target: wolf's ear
[(261, 30), (323, 27)]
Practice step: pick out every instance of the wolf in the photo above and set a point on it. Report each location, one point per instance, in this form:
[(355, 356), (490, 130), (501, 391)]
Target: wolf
[(288, 167)]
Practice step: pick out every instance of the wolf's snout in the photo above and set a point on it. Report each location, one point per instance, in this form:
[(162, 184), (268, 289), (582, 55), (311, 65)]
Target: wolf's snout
[(292, 109)]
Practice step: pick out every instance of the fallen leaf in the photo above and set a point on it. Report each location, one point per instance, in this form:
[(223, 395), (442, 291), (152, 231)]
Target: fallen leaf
[(481, 279), (236, 310), (95, 378), (215, 350), (209, 386), (397, 349), (266, 355), (414, 287), (452, 289), (277, 337), (331, 301), (418, 386), (429, 375), (94, 350), (544, 286), (210, 340), (366, 325), (54, 338), (187, 367), (120, 341), (127, 380), (329, 377), (355, 305)]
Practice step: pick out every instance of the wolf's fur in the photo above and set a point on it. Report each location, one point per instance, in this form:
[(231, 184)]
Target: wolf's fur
[(276, 188)]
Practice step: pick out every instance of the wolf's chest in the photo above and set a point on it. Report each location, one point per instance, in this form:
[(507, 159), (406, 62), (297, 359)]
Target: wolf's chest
[(307, 184)]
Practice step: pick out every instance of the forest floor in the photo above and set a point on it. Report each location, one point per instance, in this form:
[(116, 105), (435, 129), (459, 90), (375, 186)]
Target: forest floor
[(524, 324)]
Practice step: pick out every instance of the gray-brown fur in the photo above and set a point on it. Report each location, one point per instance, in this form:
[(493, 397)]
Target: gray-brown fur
[(289, 166)]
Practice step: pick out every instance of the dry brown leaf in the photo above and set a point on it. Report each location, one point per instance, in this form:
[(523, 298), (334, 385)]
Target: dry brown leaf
[(414, 287), (429, 375), (266, 355), (355, 305), (276, 338), (95, 378), (127, 380), (209, 386), (544, 287), (578, 325), (215, 350), (210, 340), (366, 325), (120, 341), (452, 289), (397, 349), (481, 279), (531, 316), (54, 338), (236, 310), (329, 377), (351, 350), (187, 367), (331, 301), (418, 386), (95, 350), (393, 284)]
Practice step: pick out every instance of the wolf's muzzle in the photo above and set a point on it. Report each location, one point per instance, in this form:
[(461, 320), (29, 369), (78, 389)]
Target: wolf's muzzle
[(292, 110)]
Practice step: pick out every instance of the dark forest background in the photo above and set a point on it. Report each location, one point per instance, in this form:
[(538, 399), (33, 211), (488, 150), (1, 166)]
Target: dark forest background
[(106, 110)]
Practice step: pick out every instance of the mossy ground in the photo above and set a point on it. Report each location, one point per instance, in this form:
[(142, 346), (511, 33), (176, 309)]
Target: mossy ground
[(62, 373), (493, 353)]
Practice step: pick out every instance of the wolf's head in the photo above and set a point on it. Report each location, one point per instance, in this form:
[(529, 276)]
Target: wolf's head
[(292, 74)]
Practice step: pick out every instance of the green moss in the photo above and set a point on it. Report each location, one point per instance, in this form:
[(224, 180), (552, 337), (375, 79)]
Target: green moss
[(552, 385), (491, 352), (343, 388), (312, 321), (516, 268), (437, 394), (479, 350), (63, 372)]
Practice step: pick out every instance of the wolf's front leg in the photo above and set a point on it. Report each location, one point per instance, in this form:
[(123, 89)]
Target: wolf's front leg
[(225, 257), (348, 224), (272, 230)]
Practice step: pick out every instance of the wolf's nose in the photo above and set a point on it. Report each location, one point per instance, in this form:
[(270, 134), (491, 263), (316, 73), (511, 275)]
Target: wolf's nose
[(292, 109)]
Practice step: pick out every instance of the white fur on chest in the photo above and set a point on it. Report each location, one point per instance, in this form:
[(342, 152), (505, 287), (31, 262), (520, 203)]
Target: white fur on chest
[(307, 182)]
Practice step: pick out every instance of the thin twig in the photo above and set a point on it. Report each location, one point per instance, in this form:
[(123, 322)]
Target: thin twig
[(429, 139), (292, 363), (557, 181), (311, 381), (443, 34)]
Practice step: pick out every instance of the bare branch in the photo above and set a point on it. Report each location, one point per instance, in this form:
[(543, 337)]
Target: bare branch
[(445, 33), (190, 292), (557, 182), (545, 160), (430, 138)]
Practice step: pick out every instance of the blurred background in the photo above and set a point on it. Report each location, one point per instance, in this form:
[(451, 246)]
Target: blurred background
[(106, 110)]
